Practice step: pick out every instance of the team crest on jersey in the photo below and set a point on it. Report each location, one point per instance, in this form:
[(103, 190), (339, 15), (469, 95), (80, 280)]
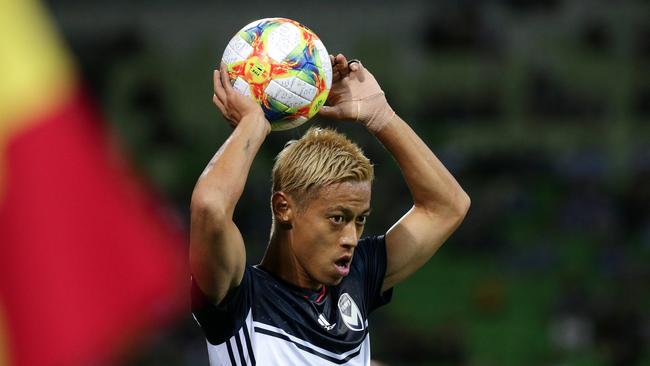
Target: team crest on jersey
[(350, 313)]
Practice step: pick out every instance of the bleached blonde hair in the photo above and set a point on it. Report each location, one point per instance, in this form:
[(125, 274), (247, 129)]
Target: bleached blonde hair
[(319, 158)]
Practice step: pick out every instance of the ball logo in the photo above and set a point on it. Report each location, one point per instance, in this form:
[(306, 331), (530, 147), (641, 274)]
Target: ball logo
[(257, 70), (350, 313)]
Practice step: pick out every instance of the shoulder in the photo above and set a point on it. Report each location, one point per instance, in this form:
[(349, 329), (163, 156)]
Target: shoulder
[(369, 247), (220, 321), (369, 271), (371, 242)]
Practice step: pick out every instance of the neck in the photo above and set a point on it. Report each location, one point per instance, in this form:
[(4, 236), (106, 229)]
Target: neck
[(280, 260)]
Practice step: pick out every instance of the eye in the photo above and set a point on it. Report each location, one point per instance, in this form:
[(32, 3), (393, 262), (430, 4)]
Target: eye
[(337, 219), (361, 220)]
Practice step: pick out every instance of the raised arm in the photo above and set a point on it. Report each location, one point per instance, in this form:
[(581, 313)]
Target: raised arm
[(217, 252), (439, 203)]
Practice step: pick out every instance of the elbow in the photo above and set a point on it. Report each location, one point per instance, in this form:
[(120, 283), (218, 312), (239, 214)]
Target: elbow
[(462, 204), (208, 208), (453, 209), (456, 209), (459, 207)]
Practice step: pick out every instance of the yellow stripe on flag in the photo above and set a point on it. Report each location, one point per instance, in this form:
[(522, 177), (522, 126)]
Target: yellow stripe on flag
[(35, 71)]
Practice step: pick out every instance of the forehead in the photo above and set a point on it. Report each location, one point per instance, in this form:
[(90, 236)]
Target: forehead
[(351, 194)]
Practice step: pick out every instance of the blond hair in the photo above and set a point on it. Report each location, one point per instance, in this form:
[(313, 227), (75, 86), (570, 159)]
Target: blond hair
[(319, 158)]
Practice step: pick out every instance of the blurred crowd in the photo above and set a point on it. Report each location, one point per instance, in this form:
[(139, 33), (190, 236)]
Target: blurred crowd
[(540, 109)]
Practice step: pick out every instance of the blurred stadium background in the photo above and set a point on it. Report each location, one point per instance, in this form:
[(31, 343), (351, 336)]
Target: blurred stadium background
[(540, 109)]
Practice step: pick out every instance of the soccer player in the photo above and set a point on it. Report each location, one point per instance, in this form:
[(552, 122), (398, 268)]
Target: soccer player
[(308, 301)]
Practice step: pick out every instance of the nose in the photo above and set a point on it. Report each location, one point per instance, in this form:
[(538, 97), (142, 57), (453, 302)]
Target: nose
[(349, 236)]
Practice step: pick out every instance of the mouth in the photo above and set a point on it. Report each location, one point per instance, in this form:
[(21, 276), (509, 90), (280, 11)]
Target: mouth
[(343, 265)]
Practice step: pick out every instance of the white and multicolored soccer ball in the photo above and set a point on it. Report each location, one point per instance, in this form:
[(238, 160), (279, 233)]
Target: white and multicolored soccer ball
[(284, 66)]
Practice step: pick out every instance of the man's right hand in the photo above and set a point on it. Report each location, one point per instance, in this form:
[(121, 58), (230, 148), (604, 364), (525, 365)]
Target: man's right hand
[(217, 250), (233, 105)]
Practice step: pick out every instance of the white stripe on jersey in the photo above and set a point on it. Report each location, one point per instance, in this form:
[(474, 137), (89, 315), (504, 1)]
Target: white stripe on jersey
[(230, 352), (280, 349), (307, 344)]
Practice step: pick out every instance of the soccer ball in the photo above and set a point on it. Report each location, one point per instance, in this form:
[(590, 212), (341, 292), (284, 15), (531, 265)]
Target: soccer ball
[(284, 66)]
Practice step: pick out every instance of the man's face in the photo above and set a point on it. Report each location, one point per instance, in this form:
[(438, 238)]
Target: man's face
[(326, 231)]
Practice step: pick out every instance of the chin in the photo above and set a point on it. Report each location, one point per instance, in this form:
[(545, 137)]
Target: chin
[(333, 282), (328, 279)]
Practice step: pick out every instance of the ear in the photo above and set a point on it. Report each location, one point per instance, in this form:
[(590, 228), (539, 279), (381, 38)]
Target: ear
[(283, 209)]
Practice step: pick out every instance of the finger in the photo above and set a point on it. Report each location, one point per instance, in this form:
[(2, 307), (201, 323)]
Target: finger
[(340, 59), (342, 65), (225, 79), (358, 69), (336, 75), (219, 92), (218, 103), (222, 109), (329, 112), (355, 65)]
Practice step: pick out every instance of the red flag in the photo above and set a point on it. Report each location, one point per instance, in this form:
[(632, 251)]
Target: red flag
[(86, 261)]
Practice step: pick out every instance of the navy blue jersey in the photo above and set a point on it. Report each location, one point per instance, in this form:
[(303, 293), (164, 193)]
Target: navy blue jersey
[(268, 321)]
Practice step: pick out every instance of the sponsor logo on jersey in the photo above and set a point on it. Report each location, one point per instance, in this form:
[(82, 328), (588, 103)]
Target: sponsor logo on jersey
[(324, 323), (350, 313)]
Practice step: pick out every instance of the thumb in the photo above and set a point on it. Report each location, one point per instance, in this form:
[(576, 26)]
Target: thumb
[(330, 112)]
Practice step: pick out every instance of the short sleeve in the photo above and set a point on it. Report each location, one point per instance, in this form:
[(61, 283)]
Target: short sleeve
[(220, 322), (372, 252)]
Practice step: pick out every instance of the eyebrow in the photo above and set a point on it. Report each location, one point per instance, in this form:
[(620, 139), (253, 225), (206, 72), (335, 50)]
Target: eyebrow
[(347, 211)]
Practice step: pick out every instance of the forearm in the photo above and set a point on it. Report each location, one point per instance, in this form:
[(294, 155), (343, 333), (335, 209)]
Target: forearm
[(440, 204), (217, 252), (431, 185), (222, 182)]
